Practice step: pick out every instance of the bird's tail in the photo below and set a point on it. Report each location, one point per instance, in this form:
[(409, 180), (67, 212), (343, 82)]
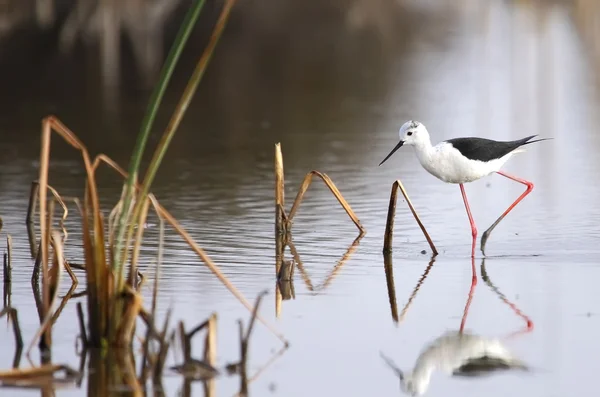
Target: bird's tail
[(527, 141)]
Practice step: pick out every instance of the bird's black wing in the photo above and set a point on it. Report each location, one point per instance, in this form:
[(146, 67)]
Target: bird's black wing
[(481, 366), (483, 149)]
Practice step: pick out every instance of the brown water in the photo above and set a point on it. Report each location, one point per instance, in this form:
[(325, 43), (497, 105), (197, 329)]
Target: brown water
[(333, 83)]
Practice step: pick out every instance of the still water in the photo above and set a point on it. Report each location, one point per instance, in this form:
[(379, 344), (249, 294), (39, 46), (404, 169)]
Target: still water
[(334, 94)]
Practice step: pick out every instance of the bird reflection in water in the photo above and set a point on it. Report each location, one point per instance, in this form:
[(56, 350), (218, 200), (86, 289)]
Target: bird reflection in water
[(457, 353)]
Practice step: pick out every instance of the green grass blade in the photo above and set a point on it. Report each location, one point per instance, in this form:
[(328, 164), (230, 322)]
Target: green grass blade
[(176, 118), (149, 117)]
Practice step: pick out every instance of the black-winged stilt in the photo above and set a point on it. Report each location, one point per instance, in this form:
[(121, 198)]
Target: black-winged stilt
[(457, 354), (463, 160)]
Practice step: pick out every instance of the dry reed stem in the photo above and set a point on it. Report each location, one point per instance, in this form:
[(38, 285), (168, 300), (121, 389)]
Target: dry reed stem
[(187, 351), (162, 212), (415, 290), (279, 208), (74, 279), (132, 304), (35, 275), (13, 316), (306, 183), (33, 197), (63, 303), (389, 226), (242, 365), (82, 330), (100, 272), (278, 300), (389, 278), (30, 374), (56, 273), (8, 260), (49, 278), (210, 352), (97, 276), (32, 205), (279, 188), (210, 343)]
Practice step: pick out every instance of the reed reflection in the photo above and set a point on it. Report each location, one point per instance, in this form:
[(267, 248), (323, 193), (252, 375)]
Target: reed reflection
[(456, 352), (284, 289), (389, 277)]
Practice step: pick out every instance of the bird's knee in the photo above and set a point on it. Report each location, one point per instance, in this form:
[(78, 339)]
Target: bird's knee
[(529, 186), (474, 232)]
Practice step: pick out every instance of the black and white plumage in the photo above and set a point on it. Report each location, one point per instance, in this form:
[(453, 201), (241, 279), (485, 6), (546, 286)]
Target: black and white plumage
[(456, 354), (463, 160), (483, 149), (458, 160)]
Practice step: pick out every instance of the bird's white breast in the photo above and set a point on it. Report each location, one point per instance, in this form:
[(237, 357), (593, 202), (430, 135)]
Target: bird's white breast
[(449, 165)]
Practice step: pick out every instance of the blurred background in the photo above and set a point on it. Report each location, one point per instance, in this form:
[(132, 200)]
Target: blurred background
[(285, 64), (333, 80)]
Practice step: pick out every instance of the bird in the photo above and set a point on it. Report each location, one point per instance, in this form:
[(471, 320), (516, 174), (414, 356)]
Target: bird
[(456, 353), (463, 160)]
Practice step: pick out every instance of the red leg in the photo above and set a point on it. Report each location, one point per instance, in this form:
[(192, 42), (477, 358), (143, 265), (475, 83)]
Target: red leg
[(473, 227), (529, 185), (470, 298)]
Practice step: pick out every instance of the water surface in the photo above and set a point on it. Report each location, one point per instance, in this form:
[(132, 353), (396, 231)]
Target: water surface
[(334, 94)]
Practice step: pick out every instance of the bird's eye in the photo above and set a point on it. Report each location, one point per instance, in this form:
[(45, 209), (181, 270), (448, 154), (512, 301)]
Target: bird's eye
[(409, 133)]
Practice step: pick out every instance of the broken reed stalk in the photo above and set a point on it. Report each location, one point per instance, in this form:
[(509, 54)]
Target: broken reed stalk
[(39, 374), (329, 183), (210, 352), (283, 221), (8, 260), (389, 226), (280, 222), (242, 364), (210, 343), (82, 330)]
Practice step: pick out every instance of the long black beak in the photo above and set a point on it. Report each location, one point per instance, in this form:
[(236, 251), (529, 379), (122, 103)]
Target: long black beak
[(398, 146)]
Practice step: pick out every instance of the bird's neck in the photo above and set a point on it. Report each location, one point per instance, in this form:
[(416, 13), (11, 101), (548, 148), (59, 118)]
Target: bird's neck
[(423, 149), (420, 378)]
